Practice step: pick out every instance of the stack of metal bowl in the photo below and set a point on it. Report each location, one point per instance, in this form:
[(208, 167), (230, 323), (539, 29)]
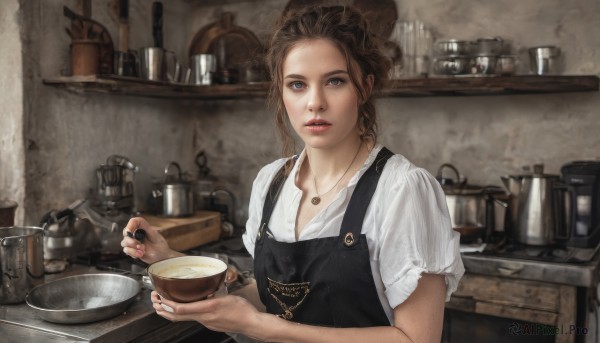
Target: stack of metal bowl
[(452, 57), (484, 56)]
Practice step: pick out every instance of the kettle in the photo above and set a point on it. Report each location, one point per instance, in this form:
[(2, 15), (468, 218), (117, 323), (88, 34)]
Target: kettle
[(533, 206), (178, 199)]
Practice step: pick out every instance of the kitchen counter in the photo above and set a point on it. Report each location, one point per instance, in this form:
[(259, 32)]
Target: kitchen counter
[(573, 274), (534, 293), (18, 323), (140, 323)]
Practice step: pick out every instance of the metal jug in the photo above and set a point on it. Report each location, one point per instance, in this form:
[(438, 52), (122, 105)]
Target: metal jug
[(178, 198), (21, 262), (533, 204)]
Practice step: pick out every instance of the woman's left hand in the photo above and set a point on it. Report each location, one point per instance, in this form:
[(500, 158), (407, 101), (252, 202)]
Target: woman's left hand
[(228, 313)]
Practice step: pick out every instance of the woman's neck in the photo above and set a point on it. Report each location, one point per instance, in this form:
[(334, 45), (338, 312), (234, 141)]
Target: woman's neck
[(327, 165)]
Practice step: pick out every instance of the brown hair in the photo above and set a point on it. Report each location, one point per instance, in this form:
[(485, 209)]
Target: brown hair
[(348, 30)]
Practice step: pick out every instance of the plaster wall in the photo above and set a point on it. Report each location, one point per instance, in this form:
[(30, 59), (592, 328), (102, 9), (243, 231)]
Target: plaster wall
[(12, 158), (68, 135), (484, 137)]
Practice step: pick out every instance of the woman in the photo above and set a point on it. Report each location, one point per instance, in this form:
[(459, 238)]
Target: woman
[(350, 242)]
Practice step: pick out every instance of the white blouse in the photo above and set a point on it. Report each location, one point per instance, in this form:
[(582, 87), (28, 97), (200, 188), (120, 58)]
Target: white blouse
[(407, 225)]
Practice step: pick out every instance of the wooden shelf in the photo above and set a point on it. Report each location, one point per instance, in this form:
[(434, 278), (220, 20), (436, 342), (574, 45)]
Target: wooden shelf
[(439, 86), (491, 85), (112, 84)]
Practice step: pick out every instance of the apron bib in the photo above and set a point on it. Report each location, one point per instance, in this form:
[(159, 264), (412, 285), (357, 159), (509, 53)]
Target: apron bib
[(324, 281)]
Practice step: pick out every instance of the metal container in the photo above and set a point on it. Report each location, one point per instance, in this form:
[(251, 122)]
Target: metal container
[(21, 262), (484, 65), (178, 196), (506, 65), (152, 63), (488, 46), (453, 47), (83, 298), (533, 220), (475, 211), (545, 60), (467, 209), (451, 65)]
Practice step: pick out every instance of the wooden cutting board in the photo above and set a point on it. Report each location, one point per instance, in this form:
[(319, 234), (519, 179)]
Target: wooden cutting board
[(188, 232)]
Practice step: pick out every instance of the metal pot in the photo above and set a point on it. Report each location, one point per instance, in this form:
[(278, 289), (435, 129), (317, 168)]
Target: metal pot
[(178, 197), (21, 262), (474, 210), (83, 298)]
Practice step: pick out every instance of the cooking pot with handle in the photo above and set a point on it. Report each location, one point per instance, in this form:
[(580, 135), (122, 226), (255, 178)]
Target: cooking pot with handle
[(21, 262), (474, 212), (178, 198)]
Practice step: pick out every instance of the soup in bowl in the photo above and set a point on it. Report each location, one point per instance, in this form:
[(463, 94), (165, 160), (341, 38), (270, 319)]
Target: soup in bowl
[(187, 278)]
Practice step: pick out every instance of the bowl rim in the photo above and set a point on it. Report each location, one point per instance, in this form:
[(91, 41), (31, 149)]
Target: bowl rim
[(195, 257)]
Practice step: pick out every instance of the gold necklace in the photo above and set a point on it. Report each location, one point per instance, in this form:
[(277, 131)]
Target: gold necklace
[(317, 199)]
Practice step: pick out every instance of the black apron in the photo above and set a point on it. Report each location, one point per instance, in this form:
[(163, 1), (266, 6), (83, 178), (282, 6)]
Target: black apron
[(324, 281)]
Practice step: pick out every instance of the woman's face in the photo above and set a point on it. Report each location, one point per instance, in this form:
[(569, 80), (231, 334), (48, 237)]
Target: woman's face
[(320, 99)]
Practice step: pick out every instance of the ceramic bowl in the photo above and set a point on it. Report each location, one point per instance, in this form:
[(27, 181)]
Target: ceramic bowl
[(187, 278)]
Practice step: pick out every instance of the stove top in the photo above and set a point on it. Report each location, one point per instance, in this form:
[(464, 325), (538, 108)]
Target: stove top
[(558, 254)]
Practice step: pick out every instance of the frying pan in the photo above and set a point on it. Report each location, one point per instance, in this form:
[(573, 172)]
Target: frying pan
[(83, 298)]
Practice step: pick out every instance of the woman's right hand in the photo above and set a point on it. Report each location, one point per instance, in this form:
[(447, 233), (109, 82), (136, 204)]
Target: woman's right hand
[(153, 248)]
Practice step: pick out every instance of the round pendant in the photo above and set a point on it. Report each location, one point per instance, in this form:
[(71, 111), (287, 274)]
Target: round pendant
[(315, 200), (288, 315)]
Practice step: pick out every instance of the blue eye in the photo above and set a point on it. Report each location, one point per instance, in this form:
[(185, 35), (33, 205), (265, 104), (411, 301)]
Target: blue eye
[(295, 85), (336, 81)]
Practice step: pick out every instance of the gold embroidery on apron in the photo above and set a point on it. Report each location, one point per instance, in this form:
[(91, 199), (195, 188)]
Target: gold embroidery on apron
[(290, 290)]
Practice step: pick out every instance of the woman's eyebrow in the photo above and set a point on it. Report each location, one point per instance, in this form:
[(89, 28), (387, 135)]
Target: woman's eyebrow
[(330, 73)]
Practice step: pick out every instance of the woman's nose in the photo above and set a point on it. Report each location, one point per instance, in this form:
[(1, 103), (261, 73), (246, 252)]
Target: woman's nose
[(317, 101)]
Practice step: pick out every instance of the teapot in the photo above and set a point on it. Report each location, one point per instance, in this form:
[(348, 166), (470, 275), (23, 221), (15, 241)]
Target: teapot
[(533, 206)]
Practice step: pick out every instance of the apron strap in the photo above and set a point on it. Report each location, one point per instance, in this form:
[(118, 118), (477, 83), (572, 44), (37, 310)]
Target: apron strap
[(361, 198), (273, 194)]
